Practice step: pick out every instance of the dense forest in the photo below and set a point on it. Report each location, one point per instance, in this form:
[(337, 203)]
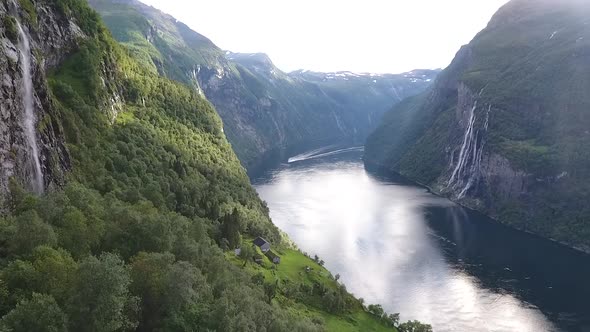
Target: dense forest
[(141, 235)]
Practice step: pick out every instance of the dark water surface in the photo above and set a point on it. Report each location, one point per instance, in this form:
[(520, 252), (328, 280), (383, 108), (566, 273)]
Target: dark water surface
[(396, 244)]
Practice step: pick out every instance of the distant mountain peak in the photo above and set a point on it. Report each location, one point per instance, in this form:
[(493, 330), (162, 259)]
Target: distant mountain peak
[(416, 75), (249, 58)]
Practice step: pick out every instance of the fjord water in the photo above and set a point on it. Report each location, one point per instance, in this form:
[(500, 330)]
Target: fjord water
[(394, 243)]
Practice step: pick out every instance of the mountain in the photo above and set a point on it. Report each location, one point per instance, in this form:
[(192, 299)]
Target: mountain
[(371, 94), (263, 109), (504, 129), (122, 202)]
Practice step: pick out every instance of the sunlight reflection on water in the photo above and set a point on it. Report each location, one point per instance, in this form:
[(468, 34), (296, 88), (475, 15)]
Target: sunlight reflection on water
[(374, 234)]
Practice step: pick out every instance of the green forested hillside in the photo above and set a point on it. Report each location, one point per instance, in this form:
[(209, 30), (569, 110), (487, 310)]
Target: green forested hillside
[(505, 128), (141, 236), (158, 41), (263, 109)]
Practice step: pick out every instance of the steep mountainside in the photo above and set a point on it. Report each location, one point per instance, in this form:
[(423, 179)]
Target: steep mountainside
[(366, 90), (25, 106), (262, 107), (505, 128), (122, 200)]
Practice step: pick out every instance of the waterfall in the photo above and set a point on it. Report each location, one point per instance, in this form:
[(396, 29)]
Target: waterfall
[(29, 122), (465, 147), (471, 153)]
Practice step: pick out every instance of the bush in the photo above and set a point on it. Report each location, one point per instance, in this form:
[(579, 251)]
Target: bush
[(10, 28), (40, 313), (414, 326), (29, 8)]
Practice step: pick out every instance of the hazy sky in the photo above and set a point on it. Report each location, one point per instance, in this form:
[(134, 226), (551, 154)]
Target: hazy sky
[(330, 35)]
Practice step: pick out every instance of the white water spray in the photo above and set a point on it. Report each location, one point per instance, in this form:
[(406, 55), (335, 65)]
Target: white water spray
[(465, 147), (29, 116), (468, 164)]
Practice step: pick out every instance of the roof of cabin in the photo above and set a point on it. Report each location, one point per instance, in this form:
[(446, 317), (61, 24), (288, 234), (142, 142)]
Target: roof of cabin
[(260, 241)]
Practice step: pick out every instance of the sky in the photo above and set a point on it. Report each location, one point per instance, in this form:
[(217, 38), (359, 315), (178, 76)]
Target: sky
[(377, 36)]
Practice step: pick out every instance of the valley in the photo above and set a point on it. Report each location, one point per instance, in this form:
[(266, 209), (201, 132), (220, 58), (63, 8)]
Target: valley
[(151, 180), (264, 109)]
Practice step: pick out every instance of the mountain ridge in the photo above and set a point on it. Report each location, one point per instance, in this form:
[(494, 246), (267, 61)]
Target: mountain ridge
[(263, 108)]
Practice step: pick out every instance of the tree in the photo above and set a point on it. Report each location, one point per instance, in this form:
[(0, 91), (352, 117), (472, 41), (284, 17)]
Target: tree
[(258, 279), (270, 290), (414, 326), (168, 290), (40, 313), (224, 244), (74, 234), (149, 272), (247, 253), (185, 294), (19, 200), (4, 298), (230, 228), (393, 319), (19, 280), (376, 310), (185, 285), (139, 228), (100, 300), (333, 301), (31, 232), (55, 270)]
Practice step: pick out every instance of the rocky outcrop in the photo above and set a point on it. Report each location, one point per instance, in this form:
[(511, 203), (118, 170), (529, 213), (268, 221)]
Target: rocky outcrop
[(32, 146), (501, 179)]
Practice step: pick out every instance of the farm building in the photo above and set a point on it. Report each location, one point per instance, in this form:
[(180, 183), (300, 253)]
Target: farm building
[(273, 257), (262, 244)]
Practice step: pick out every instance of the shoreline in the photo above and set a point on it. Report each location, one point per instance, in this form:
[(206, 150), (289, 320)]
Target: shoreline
[(564, 244), (388, 172)]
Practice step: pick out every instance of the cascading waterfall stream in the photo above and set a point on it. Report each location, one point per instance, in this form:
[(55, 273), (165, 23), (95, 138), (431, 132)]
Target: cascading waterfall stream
[(470, 155), (29, 122), (465, 147)]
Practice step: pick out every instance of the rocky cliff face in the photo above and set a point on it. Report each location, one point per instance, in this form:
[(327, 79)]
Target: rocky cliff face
[(32, 148), (502, 128), (475, 175), (36, 37)]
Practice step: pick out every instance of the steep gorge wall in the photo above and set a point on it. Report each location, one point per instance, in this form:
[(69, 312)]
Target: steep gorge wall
[(32, 148), (36, 37)]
